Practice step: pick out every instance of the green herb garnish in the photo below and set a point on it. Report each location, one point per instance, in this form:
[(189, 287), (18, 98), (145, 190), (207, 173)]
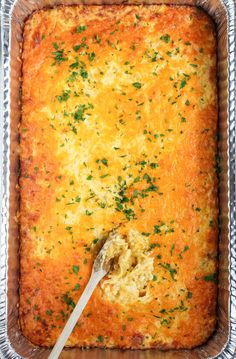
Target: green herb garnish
[(165, 38), (75, 269), (59, 55), (137, 85), (81, 28)]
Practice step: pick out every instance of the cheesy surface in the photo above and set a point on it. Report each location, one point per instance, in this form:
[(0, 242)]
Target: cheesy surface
[(119, 120)]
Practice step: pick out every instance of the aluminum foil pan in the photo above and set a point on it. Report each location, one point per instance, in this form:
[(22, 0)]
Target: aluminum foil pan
[(12, 343)]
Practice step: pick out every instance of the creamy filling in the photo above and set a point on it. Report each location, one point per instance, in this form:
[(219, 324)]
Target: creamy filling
[(131, 271)]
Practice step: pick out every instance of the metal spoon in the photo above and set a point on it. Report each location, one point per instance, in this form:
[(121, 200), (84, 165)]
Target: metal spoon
[(101, 267)]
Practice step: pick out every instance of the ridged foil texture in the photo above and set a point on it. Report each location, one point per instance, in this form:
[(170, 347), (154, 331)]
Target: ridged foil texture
[(12, 343)]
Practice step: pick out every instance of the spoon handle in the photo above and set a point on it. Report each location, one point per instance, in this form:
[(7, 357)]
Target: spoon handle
[(88, 291)]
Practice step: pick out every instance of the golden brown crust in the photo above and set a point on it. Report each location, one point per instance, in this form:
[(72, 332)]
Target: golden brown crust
[(119, 123)]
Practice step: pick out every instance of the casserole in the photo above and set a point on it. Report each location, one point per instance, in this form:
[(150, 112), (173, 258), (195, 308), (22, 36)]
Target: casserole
[(12, 342), (122, 132)]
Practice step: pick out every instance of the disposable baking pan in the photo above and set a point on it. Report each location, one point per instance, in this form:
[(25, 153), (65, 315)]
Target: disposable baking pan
[(12, 343)]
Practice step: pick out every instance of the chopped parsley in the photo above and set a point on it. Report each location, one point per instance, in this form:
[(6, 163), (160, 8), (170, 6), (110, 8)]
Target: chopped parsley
[(97, 39), (76, 287), (172, 271), (75, 269), (137, 85), (183, 83), (79, 114), (189, 295), (65, 96), (186, 248), (81, 66), (165, 38), (59, 55), (81, 28), (100, 339), (78, 47), (72, 77), (211, 278), (104, 161), (91, 56), (68, 300)]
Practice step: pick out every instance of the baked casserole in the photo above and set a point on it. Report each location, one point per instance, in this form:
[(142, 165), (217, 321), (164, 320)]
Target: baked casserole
[(119, 121)]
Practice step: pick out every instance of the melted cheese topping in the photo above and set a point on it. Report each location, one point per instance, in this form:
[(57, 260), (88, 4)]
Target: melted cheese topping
[(119, 119)]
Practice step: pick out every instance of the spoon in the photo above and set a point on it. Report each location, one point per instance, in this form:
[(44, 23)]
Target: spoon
[(101, 267)]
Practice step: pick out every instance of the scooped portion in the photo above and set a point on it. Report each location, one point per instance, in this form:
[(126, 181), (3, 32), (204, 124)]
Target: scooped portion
[(131, 271)]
